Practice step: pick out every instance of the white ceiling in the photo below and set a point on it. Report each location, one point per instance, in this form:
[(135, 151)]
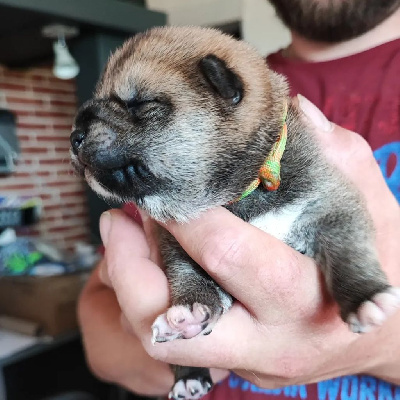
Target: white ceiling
[(259, 25)]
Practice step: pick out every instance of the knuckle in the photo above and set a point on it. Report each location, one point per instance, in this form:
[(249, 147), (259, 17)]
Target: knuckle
[(222, 252), (359, 148)]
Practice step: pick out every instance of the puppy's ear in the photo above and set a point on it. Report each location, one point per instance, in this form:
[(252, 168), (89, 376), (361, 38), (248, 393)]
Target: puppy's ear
[(222, 79)]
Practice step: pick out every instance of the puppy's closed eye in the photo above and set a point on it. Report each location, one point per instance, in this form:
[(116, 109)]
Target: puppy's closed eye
[(139, 107)]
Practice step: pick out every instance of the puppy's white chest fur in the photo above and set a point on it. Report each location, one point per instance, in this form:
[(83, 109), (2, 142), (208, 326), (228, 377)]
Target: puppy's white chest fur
[(279, 223)]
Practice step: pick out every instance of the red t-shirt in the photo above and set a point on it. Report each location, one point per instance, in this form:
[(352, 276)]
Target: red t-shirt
[(362, 93)]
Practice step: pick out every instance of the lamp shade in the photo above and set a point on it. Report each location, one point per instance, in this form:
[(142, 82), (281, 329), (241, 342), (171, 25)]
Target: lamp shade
[(65, 66)]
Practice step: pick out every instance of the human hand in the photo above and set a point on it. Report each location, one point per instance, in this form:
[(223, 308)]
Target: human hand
[(284, 329), (113, 352)]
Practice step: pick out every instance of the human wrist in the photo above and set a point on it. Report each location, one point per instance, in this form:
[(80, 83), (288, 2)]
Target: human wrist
[(385, 365)]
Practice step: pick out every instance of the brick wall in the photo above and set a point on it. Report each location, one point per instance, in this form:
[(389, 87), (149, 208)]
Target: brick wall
[(45, 107)]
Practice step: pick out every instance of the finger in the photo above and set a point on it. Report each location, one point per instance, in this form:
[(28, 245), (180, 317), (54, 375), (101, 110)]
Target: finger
[(239, 341), (256, 268), (345, 149), (351, 154), (140, 285), (103, 273)]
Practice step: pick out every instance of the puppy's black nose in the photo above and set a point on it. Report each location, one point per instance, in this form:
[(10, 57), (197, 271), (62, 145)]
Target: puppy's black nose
[(77, 137)]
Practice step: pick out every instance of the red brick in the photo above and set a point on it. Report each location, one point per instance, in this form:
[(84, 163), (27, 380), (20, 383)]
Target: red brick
[(38, 78), (34, 150), (81, 236), (48, 219), (54, 161), (31, 126), (70, 172), (77, 215), (18, 100), (45, 196), (75, 204), (21, 174), (51, 90), (52, 114), (72, 194), (12, 86), (15, 74), (59, 228), (72, 82), (66, 127), (53, 138), (44, 116), (25, 138), (24, 162), (52, 207), (63, 103), (17, 187), (23, 113), (43, 173), (62, 183)]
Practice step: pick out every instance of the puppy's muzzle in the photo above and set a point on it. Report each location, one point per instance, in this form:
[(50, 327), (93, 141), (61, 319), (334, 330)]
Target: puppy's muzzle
[(105, 162), (99, 153)]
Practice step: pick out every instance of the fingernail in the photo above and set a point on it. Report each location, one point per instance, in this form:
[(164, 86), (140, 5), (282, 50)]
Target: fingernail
[(105, 226), (314, 114)]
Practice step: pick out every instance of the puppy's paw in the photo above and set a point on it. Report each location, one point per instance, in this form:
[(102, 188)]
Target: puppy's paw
[(190, 389), (183, 322), (373, 313)]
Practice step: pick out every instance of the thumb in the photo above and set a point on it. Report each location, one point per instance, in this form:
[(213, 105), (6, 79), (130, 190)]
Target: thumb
[(140, 285)]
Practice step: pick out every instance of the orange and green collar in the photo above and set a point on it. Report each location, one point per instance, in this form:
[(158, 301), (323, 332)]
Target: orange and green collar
[(270, 172)]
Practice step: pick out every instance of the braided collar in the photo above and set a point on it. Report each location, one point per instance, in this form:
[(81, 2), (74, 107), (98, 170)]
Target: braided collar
[(269, 173)]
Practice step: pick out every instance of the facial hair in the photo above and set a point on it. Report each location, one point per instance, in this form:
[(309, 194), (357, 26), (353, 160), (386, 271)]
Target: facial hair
[(333, 20)]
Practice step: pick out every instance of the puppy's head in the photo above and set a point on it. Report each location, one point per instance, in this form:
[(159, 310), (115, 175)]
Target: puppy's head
[(180, 122)]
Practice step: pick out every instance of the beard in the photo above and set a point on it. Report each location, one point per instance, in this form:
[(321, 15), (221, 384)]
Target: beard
[(333, 20)]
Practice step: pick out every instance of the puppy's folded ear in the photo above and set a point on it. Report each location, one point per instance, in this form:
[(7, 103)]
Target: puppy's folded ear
[(222, 79)]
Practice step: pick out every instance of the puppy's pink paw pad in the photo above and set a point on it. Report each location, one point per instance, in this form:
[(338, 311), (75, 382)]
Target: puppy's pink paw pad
[(374, 312), (181, 317), (179, 322)]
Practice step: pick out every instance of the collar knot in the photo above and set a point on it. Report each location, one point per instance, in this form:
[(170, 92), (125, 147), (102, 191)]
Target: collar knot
[(269, 173)]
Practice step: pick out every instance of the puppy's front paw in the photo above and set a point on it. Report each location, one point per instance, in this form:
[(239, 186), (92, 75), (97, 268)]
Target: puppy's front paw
[(190, 389), (183, 322), (373, 313)]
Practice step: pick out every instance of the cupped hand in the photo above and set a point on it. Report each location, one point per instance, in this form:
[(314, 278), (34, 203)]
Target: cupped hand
[(284, 328)]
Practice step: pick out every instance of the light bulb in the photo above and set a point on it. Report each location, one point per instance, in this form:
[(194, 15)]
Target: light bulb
[(65, 67)]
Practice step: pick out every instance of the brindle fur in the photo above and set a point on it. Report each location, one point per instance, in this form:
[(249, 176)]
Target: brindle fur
[(198, 148)]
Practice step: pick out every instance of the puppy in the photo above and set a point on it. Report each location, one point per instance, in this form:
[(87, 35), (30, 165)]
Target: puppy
[(187, 119)]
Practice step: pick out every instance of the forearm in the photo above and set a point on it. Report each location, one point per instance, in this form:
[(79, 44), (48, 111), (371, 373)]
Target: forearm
[(113, 354)]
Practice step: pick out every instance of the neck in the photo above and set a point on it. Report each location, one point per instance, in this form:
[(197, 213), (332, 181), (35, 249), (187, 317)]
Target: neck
[(311, 51)]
